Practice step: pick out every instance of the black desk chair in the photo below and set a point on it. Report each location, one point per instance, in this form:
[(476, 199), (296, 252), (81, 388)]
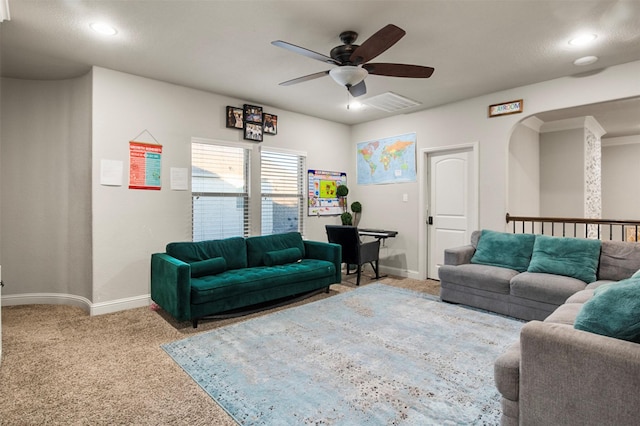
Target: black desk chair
[(354, 252)]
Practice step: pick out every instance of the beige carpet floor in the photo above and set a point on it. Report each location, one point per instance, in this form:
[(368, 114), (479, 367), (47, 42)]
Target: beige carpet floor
[(63, 367)]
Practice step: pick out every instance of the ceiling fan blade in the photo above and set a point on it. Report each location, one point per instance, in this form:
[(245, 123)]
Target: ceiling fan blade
[(358, 90), (305, 78), (399, 70), (377, 43), (305, 52)]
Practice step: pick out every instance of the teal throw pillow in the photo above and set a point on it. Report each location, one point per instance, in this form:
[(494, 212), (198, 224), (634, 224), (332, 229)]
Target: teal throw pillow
[(257, 246), (206, 267), (613, 310), (281, 257), (570, 257), (512, 251)]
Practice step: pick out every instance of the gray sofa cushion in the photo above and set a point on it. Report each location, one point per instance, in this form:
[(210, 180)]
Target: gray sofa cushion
[(581, 296), (618, 260), (488, 278), (565, 314), (548, 288), (506, 371)]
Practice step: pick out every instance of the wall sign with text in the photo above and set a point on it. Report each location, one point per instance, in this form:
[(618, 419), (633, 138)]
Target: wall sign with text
[(145, 163), (505, 108)]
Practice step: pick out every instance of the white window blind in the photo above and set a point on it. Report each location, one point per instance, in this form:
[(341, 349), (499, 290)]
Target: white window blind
[(219, 189), (282, 181)]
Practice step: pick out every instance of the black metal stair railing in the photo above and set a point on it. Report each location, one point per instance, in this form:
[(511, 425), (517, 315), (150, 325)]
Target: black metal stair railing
[(602, 229)]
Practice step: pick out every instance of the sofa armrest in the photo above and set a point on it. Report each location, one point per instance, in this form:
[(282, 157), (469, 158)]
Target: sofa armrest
[(171, 285), (569, 376), (458, 255), (325, 251)]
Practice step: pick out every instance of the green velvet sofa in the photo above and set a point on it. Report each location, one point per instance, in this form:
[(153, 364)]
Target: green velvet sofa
[(194, 280)]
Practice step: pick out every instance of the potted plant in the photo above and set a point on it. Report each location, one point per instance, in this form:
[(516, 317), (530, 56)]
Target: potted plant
[(346, 218), (356, 208), (341, 193)]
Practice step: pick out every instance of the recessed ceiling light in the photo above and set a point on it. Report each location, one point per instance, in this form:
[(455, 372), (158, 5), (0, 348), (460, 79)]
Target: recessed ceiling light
[(103, 28), (582, 40), (585, 60)]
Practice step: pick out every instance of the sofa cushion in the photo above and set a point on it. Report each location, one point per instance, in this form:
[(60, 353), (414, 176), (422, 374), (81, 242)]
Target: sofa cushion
[(483, 277), (232, 249), (598, 283), (614, 311), (280, 257), (240, 282), (212, 266), (570, 257), (547, 288), (565, 314), (506, 372), (512, 251), (618, 260), (258, 246), (581, 296)]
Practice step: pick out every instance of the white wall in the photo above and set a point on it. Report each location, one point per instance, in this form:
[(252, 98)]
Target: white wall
[(620, 178), (46, 189), (466, 122), (524, 172), (562, 174), (129, 225)]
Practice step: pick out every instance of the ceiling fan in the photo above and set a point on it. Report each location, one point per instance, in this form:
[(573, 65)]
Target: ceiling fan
[(353, 60)]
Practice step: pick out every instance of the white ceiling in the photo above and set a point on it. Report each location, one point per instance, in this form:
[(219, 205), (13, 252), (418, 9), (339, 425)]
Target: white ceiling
[(224, 46)]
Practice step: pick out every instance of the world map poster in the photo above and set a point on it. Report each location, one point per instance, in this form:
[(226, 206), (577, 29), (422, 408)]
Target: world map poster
[(389, 160)]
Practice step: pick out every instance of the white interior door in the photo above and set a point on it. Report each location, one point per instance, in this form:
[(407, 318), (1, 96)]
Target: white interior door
[(451, 209)]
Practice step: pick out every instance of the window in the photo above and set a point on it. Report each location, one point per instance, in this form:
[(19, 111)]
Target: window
[(219, 190), (282, 182)]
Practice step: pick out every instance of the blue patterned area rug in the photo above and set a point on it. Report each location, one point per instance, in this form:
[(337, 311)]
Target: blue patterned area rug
[(377, 355)]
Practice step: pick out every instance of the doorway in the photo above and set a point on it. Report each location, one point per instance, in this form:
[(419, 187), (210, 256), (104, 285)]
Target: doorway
[(450, 202)]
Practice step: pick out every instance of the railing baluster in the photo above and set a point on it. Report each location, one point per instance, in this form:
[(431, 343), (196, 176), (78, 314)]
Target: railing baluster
[(623, 225)]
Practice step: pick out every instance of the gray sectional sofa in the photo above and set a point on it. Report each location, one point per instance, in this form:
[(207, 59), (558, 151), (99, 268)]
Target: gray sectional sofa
[(557, 374), (494, 273), (578, 361)]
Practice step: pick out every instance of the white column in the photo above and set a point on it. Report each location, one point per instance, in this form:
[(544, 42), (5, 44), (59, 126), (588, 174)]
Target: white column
[(593, 172)]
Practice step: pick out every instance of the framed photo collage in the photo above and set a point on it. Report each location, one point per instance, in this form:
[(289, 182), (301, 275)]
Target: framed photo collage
[(253, 122)]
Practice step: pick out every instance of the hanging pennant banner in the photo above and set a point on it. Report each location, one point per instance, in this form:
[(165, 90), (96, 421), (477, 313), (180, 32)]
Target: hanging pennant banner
[(145, 163)]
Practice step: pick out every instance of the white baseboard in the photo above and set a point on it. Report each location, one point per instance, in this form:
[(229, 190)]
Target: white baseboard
[(120, 304), (46, 299), (79, 301), (399, 272)]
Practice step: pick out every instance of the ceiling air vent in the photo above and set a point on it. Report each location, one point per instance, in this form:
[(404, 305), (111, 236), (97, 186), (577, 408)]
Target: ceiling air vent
[(390, 102)]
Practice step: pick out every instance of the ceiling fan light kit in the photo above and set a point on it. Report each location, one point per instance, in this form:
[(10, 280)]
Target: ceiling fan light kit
[(348, 75), (352, 60)]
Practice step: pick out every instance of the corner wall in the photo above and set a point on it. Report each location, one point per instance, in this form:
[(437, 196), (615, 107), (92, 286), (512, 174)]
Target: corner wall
[(129, 225), (46, 191), (466, 122)]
